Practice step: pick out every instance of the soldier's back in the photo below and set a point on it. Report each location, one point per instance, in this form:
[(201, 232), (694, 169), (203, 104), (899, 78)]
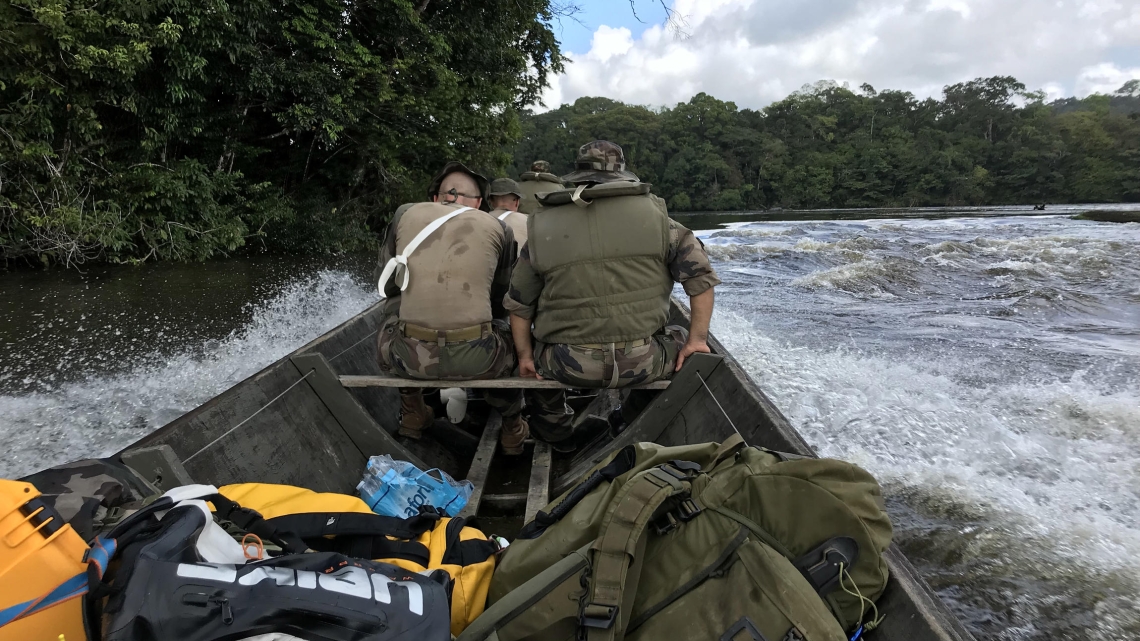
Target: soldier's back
[(452, 270)]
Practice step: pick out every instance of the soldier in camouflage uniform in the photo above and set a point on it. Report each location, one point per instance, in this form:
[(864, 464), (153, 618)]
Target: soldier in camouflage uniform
[(504, 199), (595, 279), (445, 318), (536, 181)]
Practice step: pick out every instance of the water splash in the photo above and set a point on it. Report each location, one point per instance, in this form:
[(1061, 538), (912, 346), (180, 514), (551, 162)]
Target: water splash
[(99, 413), (995, 392)]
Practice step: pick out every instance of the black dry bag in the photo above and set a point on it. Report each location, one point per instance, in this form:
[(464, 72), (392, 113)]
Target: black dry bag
[(163, 590)]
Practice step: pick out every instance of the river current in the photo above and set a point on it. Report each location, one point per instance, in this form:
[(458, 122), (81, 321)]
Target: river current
[(986, 370)]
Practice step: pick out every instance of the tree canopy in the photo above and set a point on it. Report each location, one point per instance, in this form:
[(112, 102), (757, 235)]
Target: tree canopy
[(180, 129), (985, 142)]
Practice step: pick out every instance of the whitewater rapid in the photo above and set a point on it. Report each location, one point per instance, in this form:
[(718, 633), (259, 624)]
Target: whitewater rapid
[(988, 373)]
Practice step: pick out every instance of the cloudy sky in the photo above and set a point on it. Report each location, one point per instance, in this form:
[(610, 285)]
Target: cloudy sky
[(756, 51)]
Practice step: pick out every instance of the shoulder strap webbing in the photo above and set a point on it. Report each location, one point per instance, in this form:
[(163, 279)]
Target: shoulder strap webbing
[(318, 524), (634, 506), (374, 547), (727, 448), (504, 215), (251, 521), (401, 259)]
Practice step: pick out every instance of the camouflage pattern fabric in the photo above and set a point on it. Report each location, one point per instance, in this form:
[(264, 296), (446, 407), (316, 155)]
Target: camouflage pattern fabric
[(82, 492), (551, 419), (580, 366), (490, 357), (600, 161), (688, 261)]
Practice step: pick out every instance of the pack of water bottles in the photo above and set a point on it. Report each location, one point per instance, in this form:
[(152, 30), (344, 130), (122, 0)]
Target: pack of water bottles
[(399, 488)]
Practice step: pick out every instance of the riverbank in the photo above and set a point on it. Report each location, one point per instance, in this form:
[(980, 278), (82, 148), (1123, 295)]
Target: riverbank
[(1114, 212)]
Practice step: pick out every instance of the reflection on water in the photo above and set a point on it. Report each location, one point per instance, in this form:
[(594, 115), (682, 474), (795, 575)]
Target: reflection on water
[(987, 370)]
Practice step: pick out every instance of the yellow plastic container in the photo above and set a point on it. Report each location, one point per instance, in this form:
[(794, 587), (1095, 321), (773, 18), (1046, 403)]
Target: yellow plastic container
[(42, 572)]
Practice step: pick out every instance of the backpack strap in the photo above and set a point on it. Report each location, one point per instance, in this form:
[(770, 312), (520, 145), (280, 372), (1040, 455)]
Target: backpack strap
[(729, 447), (251, 521), (622, 463), (309, 525), (633, 508)]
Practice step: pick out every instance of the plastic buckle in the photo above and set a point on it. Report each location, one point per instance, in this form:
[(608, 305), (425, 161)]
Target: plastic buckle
[(686, 469), (600, 617), (687, 510), (666, 524)]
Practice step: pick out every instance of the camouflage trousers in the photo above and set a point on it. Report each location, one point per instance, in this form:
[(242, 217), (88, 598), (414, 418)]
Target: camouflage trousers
[(591, 366), (491, 355), (613, 365)]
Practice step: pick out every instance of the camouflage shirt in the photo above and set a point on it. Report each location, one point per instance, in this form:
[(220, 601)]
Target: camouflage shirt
[(687, 260)]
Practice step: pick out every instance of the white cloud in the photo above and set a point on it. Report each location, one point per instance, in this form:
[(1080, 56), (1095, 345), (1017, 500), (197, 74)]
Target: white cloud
[(1104, 78), (609, 42), (756, 51)]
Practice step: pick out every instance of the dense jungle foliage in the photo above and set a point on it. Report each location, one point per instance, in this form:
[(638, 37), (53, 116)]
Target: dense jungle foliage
[(987, 141), (181, 129)]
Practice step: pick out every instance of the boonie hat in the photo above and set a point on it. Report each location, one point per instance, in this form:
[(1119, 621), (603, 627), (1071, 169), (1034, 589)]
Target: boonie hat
[(600, 161), (504, 187)]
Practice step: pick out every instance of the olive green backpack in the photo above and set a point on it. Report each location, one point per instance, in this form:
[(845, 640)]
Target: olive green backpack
[(697, 542)]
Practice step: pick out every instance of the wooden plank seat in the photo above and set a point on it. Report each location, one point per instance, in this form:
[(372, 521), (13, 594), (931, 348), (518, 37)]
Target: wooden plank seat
[(491, 383)]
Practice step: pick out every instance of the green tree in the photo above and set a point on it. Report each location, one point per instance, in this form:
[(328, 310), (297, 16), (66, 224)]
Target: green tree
[(174, 129), (986, 141)]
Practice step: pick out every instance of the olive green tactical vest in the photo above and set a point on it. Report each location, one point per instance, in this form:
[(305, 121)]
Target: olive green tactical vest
[(531, 184), (603, 265)]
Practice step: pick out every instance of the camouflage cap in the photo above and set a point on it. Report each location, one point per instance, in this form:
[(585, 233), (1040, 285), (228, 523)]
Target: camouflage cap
[(540, 167), (504, 187), (600, 161), (451, 168)]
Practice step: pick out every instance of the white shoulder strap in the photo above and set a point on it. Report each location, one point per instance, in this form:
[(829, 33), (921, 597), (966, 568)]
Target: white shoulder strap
[(401, 259), (504, 215)]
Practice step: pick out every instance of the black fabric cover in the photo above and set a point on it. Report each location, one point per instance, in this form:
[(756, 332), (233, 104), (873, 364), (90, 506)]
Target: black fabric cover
[(78, 490), (162, 590)]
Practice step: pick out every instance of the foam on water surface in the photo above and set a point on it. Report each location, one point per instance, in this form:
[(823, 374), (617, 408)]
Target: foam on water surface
[(988, 373)]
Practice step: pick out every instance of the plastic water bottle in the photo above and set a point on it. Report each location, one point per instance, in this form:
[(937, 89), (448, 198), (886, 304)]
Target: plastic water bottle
[(369, 486)]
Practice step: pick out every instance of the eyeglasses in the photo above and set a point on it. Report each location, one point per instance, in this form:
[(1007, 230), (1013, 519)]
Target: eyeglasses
[(452, 195)]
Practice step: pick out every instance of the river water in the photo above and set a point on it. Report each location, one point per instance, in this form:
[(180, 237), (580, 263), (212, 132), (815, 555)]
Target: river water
[(986, 370)]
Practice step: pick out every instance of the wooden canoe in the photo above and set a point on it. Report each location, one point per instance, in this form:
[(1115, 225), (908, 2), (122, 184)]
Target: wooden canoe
[(297, 422)]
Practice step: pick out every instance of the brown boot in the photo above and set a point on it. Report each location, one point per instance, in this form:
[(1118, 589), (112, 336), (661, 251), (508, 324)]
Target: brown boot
[(415, 415), (514, 432)]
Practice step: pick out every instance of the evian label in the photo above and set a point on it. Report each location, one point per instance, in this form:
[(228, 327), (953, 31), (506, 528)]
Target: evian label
[(351, 581)]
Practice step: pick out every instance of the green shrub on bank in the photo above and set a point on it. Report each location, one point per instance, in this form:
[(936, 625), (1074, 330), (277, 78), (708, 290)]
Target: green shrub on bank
[(171, 129)]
